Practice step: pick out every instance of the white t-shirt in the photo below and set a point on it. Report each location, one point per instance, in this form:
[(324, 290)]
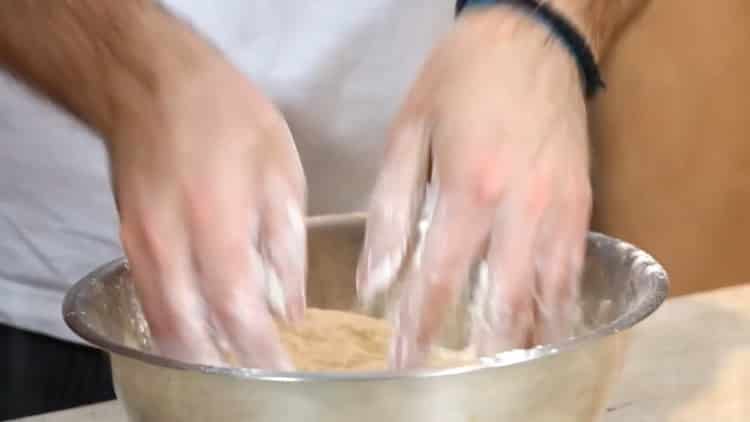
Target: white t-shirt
[(337, 69)]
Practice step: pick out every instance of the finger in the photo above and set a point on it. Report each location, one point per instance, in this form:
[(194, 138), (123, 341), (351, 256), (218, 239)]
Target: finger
[(394, 210), (283, 243), (167, 294), (553, 288), (232, 275), (235, 296), (559, 264), (458, 228), (246, 324), (280, 180), (398, 194), (506, 317)]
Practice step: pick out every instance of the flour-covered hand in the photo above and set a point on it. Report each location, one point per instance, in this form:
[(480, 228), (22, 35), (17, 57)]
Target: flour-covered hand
[(497, 117), (211, 196)]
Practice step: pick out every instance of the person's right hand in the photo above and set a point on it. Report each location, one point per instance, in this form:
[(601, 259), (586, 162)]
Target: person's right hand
[(211, 194)]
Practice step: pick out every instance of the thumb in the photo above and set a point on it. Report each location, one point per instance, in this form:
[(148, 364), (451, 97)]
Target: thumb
[(395, 207)]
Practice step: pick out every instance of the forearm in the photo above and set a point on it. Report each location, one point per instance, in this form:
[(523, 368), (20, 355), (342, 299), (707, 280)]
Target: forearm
[(103, 60), (599, 20)]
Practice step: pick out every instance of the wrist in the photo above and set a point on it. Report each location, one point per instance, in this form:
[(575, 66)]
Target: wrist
[(160, 62), (539, 20), (577, 12), (580, 13)]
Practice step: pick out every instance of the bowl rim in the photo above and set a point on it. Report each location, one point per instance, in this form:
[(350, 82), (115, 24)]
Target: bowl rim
[(657, 294)]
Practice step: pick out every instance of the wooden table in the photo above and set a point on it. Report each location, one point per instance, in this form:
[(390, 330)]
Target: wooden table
[(690, 362)]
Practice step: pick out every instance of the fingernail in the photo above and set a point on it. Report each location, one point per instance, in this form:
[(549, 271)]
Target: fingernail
[(499, 329)]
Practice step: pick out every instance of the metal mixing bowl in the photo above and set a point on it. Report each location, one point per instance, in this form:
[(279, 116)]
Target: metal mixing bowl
[(567, 382)]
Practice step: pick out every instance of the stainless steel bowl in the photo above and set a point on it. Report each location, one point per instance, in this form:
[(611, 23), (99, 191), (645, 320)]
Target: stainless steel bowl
[(567, 382)]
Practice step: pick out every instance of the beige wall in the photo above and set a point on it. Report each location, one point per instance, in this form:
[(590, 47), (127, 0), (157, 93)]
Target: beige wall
[(672, 140)]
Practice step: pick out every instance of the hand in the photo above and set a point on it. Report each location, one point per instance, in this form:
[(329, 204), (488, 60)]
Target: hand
[(499, 111), (211, 194)]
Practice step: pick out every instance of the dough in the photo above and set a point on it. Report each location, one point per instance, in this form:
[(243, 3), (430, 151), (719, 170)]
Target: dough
[(328, 340)]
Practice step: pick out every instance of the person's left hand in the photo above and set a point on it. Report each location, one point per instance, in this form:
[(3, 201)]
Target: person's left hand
[(498, 112)]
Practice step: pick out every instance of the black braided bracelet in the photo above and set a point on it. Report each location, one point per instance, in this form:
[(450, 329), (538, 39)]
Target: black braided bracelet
[(560, 27)]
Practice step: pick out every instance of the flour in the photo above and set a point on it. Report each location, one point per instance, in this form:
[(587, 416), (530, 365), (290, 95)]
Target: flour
[(330, 340)]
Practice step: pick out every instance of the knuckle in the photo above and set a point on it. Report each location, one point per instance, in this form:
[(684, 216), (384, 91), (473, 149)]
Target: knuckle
[(478, 170), (236, 308), (556, 289), (172, 318), (511, 300), (489, 179), (488, 191), (178, 329), (480, 188), (198, 211), (538, 195), (550, 272), (518, 304), (141, 240), (442, 287), (561, 289)]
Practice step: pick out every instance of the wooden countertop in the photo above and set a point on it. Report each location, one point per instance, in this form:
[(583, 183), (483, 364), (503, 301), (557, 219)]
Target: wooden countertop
[(689, 362)]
